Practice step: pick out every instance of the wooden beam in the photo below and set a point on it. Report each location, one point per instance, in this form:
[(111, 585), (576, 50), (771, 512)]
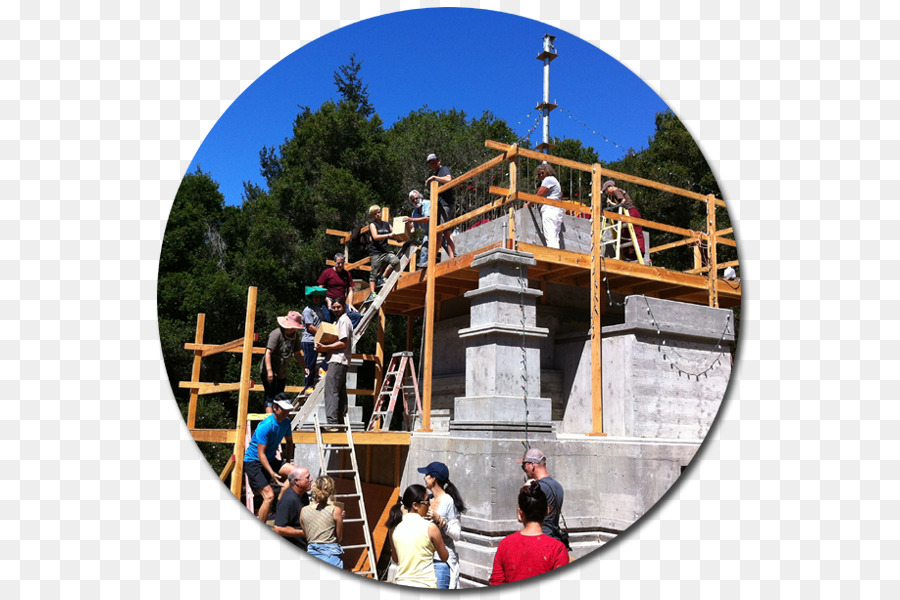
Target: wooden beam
[(597, 301), (195, 371), (360, 438), (229, 466), (649, 224), (609, 173), (219, 436), (237, 479), (379, 351), (725, 265), (713, 250), (428, 327), (204, 347), (510, 154), (677, 244), (564, 162)]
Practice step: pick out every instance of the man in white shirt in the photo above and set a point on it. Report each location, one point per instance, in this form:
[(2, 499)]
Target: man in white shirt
[(338, 365)]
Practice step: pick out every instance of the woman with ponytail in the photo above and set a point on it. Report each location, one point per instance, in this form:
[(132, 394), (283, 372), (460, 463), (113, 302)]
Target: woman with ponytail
[(414, 541), (528, 552), (445, 507)]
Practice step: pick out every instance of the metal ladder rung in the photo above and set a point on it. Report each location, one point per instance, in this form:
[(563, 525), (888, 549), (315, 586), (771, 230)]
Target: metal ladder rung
[(353, 547), (335, 447), (346, 495), (354, 520), (340, 471)]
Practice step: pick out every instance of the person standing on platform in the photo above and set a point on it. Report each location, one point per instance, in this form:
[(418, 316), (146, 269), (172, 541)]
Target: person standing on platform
[(551, 216), (338, 365), (283, 342), (381, 259), (446, 202)]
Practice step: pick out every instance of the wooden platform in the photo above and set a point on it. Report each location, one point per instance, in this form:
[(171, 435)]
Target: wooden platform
[(455, 277)]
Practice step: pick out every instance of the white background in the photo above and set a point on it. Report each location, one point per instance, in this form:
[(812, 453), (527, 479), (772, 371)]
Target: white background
[(795, 493)]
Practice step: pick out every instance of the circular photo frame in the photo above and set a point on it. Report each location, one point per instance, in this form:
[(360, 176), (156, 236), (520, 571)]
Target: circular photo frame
[(449, 298)]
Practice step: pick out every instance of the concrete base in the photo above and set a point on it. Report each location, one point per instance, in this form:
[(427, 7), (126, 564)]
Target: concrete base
[(609, 484)]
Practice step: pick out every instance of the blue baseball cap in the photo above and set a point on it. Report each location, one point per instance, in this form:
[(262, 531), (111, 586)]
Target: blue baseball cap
[(438, 470)]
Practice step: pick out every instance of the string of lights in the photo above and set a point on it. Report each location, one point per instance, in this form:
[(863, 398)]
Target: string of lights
[(692, 185)]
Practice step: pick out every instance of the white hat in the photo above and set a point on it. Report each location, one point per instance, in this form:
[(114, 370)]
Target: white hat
[(431, 157)]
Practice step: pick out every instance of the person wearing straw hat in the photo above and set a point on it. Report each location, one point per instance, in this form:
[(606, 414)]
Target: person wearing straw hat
[(261, 465), (311, 318), (283, 343)]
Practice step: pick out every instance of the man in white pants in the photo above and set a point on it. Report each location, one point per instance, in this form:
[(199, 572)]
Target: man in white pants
[(551, 216)]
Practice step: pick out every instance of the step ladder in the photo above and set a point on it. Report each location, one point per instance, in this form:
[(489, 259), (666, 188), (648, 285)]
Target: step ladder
[(610, 228), (400, 371), (369, 557), (305, 407)]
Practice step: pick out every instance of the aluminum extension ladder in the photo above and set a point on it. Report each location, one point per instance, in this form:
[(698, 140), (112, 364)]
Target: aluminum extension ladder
[(348, 447)]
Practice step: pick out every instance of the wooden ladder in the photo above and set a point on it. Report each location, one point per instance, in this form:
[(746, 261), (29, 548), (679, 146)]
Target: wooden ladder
[(305, 409), (614, 229), (363, 520), (395, 384)]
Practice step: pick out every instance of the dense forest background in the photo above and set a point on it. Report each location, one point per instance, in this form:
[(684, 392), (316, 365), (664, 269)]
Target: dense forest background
[(339, 160)]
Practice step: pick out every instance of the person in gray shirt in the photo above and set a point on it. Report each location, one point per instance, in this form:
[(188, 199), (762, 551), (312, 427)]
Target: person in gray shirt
[(534, 464)]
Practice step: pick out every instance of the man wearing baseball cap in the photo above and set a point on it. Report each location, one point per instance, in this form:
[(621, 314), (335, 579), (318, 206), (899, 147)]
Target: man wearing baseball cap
[(534, 464), (446, 202), (262, 468)]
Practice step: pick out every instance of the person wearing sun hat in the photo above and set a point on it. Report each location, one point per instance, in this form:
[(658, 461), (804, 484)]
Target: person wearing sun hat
[(311, 318), (283, 342), (444, 509)]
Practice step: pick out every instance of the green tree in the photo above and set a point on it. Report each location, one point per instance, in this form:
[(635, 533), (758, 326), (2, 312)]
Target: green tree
[(351, 88)]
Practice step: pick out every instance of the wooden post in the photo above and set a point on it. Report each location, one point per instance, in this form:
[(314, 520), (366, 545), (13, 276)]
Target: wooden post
[(237, 476), (379, 354), (511, 243), (428, 326), (195, 372), (596, 305), (713, 255)]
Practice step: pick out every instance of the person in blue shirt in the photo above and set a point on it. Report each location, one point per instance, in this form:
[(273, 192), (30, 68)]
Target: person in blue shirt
[(419, 218), (262, 468)]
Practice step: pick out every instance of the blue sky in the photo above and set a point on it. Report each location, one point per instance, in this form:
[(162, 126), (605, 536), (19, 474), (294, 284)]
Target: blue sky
[(443, 58)]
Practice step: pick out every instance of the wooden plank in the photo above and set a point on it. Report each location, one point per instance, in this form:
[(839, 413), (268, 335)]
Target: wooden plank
[(565, 205), (237, 478), (493, 205), (722, 266), (510, 154), (725, 231), (360, 438), (229, 466), (219, 436), (539, 156), (558, 256), (713, 272), (609, 173), (726, 241), (562, 273), (597, 301), (677, 244), (649, 224), (204, 347), (428, 326), (195, 371)]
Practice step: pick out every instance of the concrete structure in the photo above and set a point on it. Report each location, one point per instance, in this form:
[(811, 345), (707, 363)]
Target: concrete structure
[(655, 416)]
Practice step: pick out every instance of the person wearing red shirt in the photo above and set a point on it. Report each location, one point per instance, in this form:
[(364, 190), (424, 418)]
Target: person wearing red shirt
[(528, 552)]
